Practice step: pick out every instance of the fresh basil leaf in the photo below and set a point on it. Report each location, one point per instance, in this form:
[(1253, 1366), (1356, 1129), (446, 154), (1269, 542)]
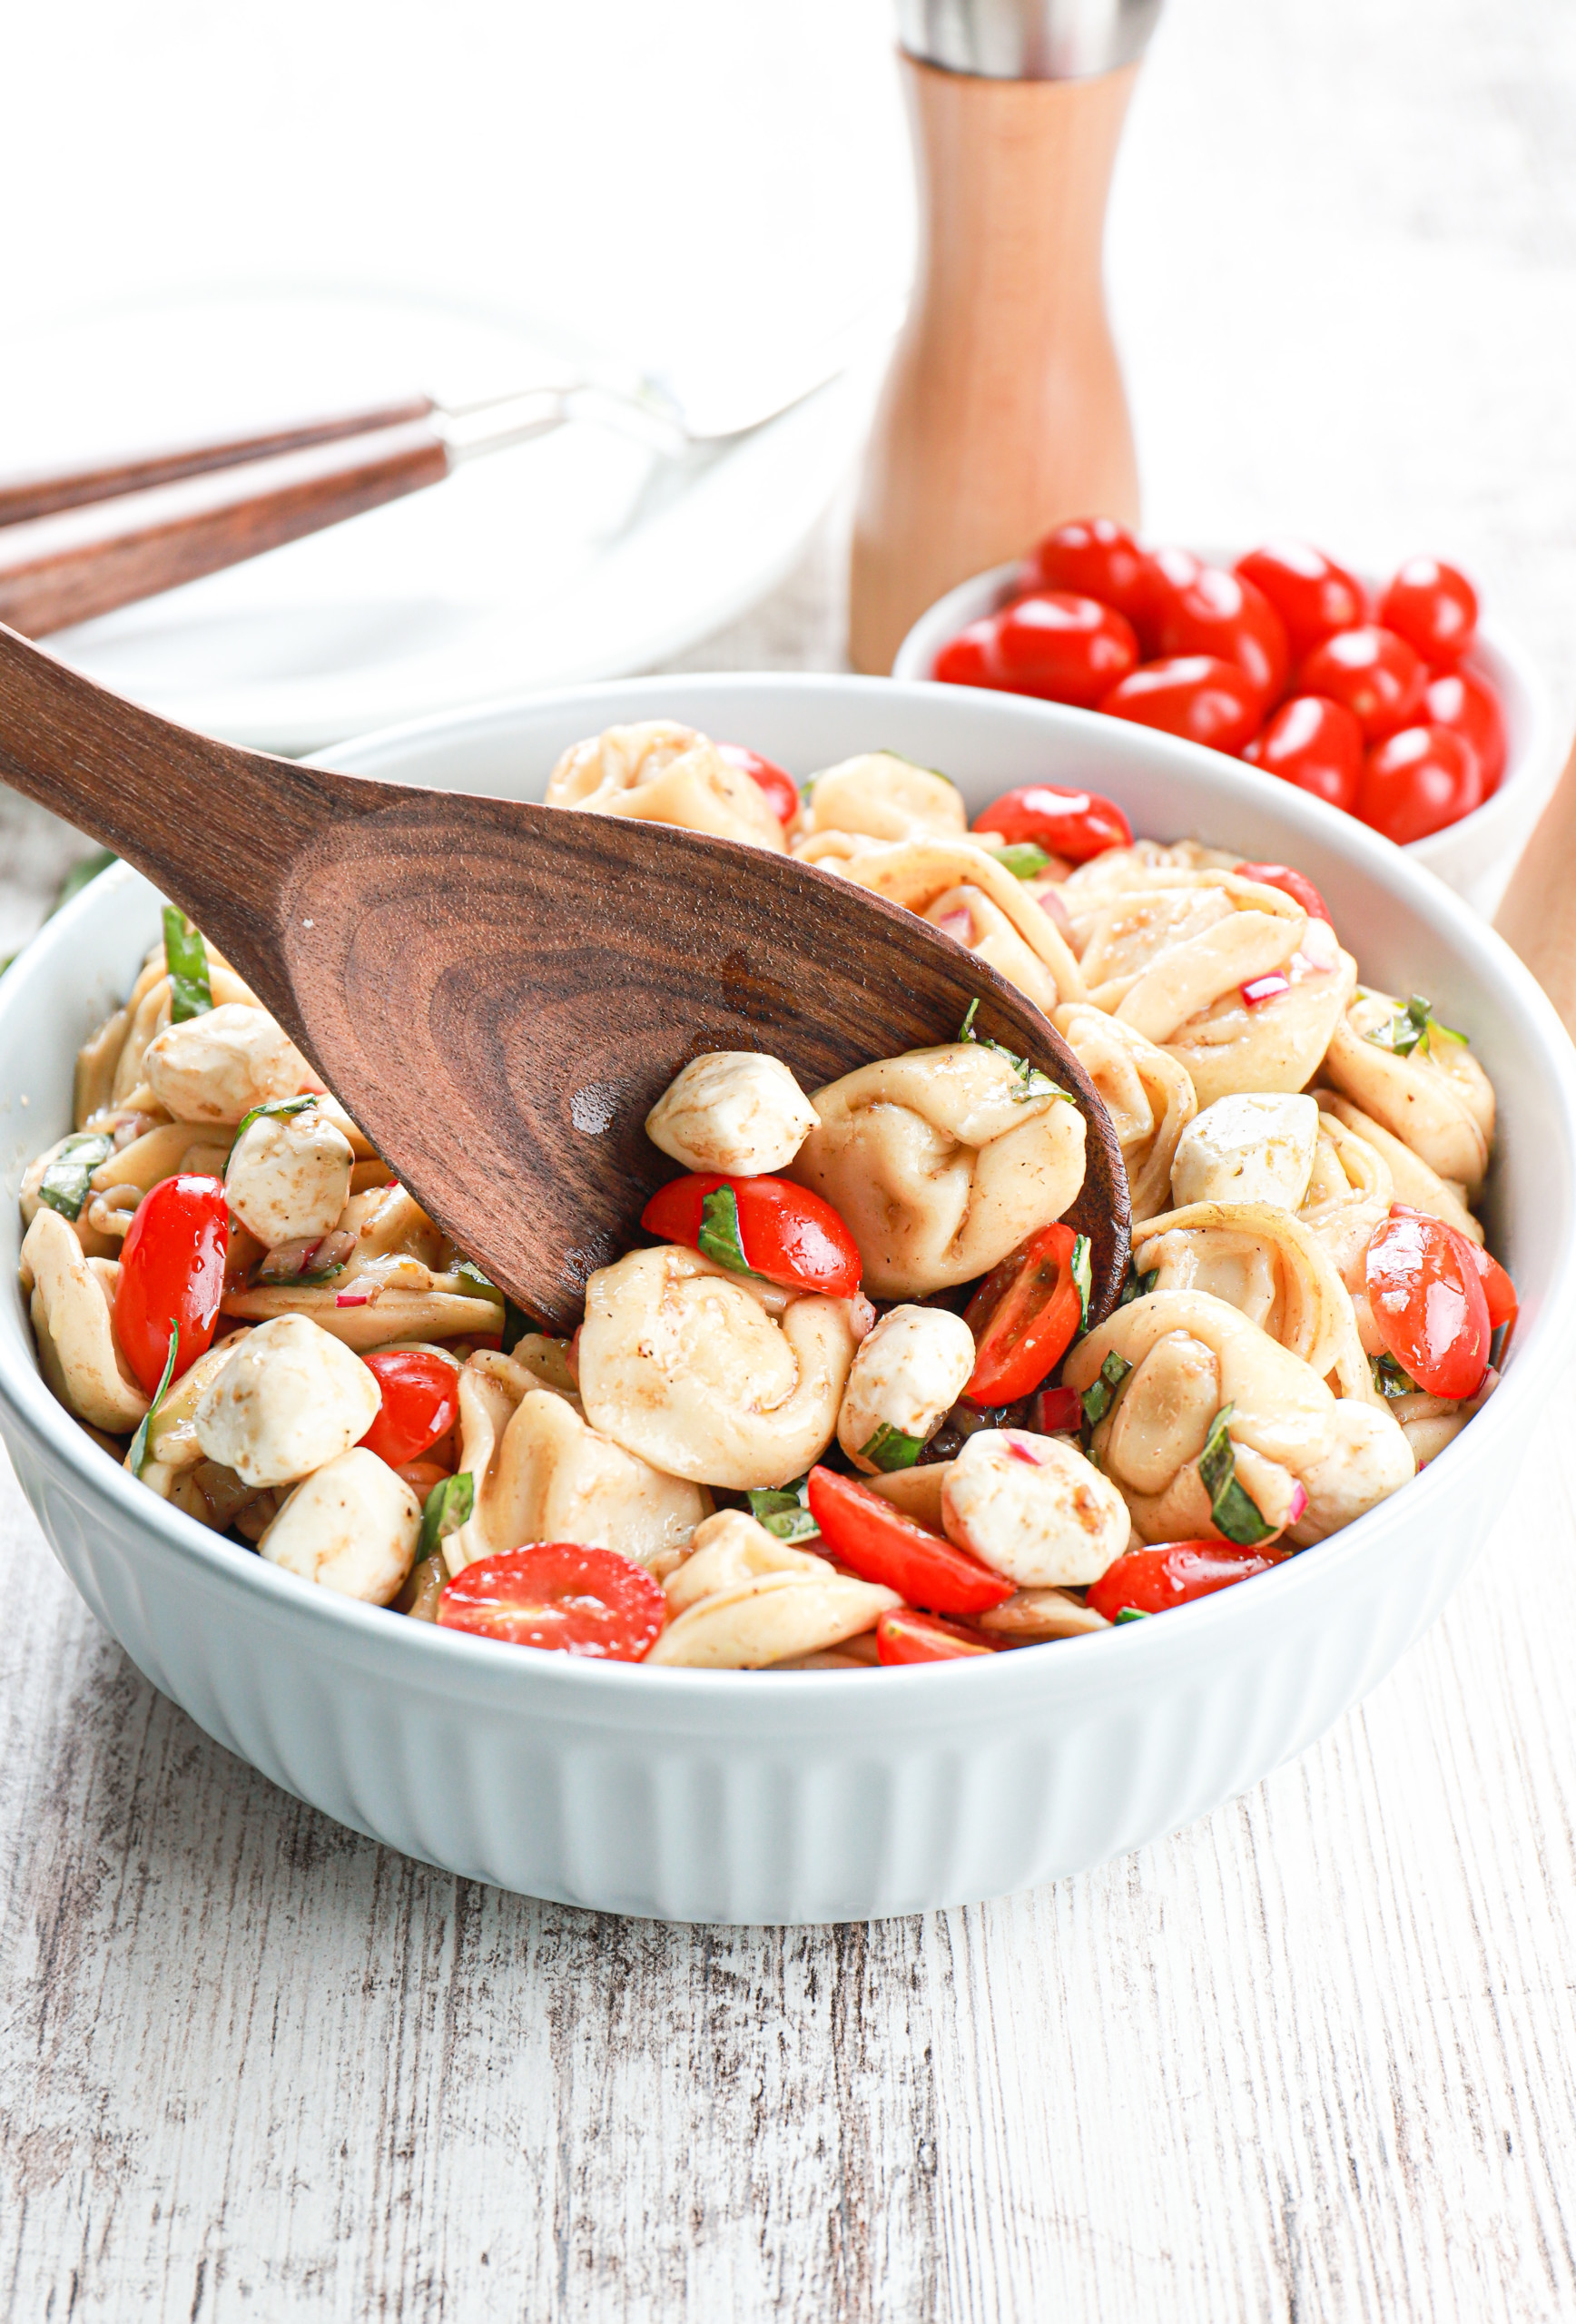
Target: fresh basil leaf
[(77, 878), (1389, 1377), (1101, 1394), (1413, 1027), (1231, 1505), (890, 1449), (517, 1323), (449, 1506), (1138, 1286), (784, 1510), (484, 1282), (1083, 1274), (1024, 859), (276, 1109), (64, 1184), (1031, 1081), (139, 1451), (186, 958), (1132, 1614), (719, 1233)]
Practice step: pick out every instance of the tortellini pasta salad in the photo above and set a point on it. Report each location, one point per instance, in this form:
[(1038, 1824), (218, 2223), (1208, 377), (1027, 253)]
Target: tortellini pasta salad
[(846, 1406)]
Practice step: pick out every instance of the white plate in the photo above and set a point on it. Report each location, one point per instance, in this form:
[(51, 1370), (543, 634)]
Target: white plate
[(579, 556)]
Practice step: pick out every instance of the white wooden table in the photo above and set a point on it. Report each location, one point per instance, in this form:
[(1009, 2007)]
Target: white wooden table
[(1313, 2059)]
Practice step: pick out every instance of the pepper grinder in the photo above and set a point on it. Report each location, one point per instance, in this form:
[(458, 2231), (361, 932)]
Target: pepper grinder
[(1003, 411)]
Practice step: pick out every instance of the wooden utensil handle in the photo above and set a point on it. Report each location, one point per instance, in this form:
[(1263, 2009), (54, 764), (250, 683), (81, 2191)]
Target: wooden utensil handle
[(40, 495), (80, 562), (1537, 914)]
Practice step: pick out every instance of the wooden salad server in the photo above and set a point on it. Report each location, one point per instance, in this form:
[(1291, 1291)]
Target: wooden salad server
[(499, 991), (1536, 913)]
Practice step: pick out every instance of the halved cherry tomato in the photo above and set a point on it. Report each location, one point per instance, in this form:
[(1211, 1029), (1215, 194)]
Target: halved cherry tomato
[(1417, 781), (1062, 648), (1315, 743), (907, 1637), (561, 1596), (420, 1403), (1499, 1291), (171, 1272), (1073, 824), (1313, 596), (1024, 1317), (1203, 609), (1371, 673), (1433, 606), (764, 1226), (971, 659), (1195, 695), (1094, 557), (1428, 1301), (1469, 707), (1152, 1581), (879, 1543), (1290, 883), (782, 790)]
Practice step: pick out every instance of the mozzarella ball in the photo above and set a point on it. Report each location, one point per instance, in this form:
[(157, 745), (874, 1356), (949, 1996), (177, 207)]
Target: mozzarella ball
[(215, 1068), (291, 1398), (1033, 1508), (351, 1526), (906, 1377), (1254, 1147), (288, 1177), (731, 1110)]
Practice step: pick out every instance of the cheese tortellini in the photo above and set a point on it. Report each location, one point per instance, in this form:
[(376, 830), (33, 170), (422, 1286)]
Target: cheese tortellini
[(662, 772)]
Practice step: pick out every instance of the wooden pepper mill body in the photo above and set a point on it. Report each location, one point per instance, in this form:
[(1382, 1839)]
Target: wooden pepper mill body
[(1003, 411)]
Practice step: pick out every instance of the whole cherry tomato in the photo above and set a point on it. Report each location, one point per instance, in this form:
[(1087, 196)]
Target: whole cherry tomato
[(1290, 883), (1313, 596), (764, 1226), (1073, 824), (1062, 648), (1427, 1299), (904, 1635), (1316, 744), (1203, 609), (1196, 696), (1372, 672), (171, 1276), (1150, 1582), (970, 658), (420, 1403), (1433, 606), (1469, 707), (1094, 557), (559, 1595), (1024, 1317), (1417, 781), (781, 789), (879, 1543)]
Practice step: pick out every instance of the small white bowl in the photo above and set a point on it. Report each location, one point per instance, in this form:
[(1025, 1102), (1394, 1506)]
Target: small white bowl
[(1475, 856), (730, 1796)]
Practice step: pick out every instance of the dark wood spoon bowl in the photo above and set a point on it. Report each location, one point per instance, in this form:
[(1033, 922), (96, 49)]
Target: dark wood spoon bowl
[(498, 991)]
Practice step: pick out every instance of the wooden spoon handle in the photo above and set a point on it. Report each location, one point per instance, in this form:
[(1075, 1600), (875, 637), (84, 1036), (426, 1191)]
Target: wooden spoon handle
[(42, 492), (79, 563), (1537, 914)]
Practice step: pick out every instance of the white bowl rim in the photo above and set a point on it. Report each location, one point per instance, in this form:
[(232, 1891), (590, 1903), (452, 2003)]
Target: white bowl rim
[(1531, 769), (588, 1692)]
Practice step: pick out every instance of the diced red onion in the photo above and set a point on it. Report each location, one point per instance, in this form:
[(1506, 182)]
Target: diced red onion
[(1264, 988)]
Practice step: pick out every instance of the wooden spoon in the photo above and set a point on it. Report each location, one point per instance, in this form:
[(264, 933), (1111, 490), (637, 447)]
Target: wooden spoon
[(499, 991), (1537, 914)]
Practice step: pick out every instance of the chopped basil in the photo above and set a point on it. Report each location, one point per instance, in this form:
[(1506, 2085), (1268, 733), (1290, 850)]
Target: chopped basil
[(484, 1282), (139, 1451), (276, 1109), (1138, 1286), (889, 1448), (883, 752), (1389, 1378), (1413, 1027), (64, 1184), (186, 958), (1031, 1081), (517, 1323), (1132, 1614), (719, 1235), (448, 1506), (1233, 1508), (77, 878), (1099, 1398), (1024, 859), (784, 1510), (1083, 1274)]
